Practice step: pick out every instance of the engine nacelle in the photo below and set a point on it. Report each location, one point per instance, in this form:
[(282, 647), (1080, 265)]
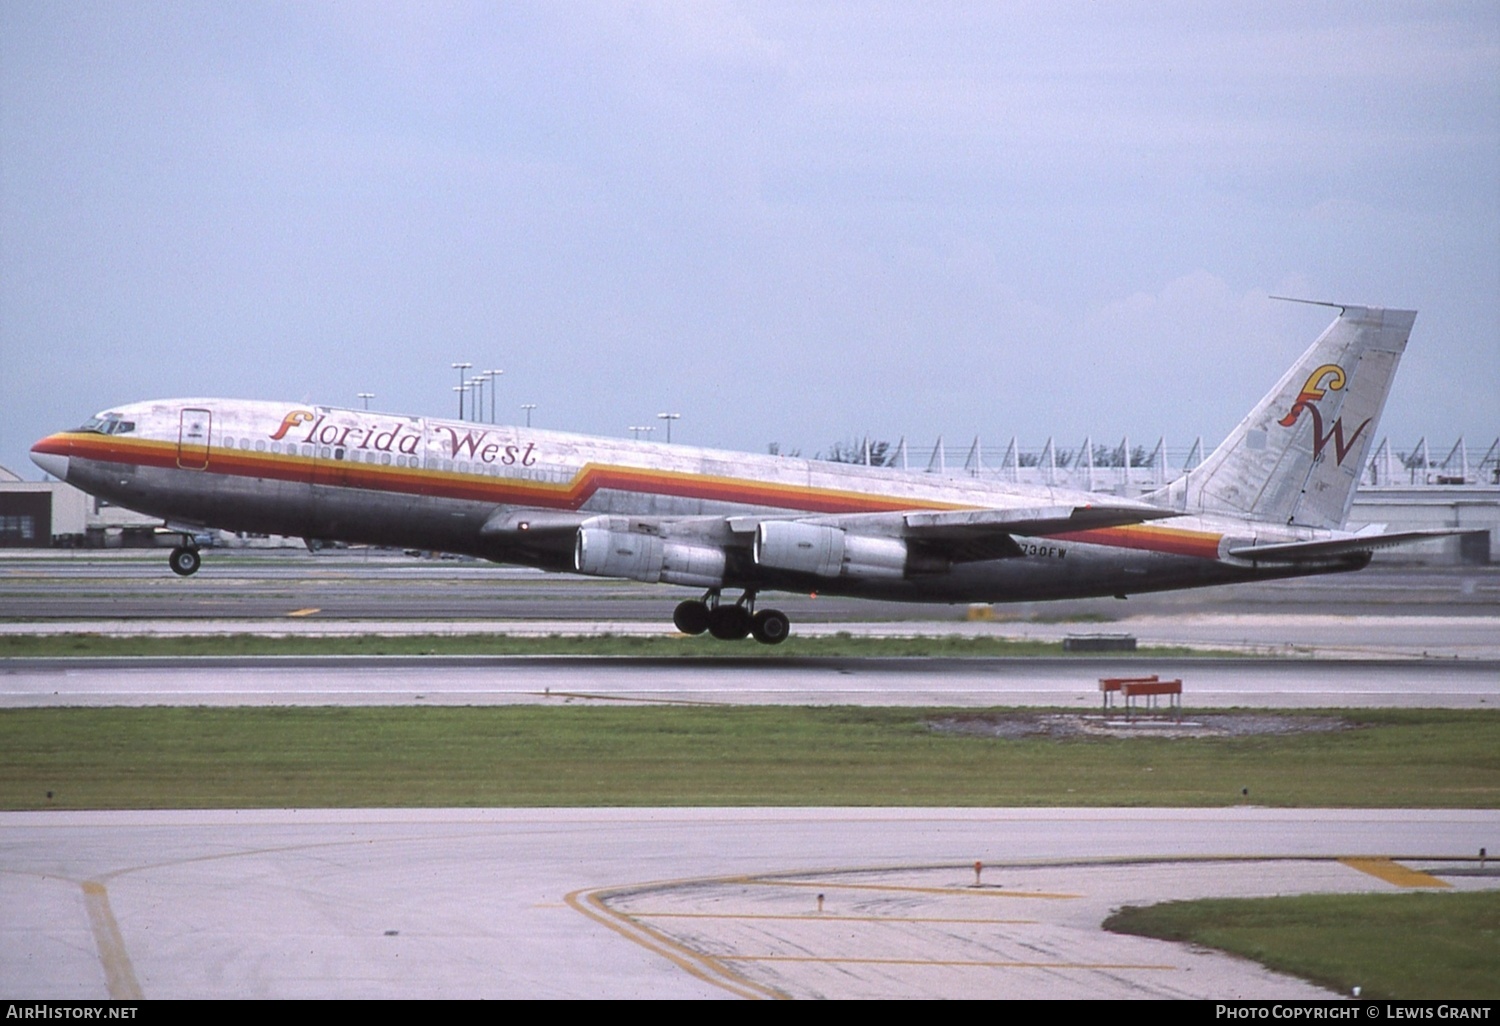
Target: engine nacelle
[(603, 552), (827, 551)]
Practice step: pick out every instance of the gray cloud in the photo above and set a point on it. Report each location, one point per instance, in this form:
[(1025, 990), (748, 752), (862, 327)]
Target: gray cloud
[(791, 222)]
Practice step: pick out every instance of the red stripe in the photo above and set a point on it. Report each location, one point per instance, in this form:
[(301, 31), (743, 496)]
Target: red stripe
[(1174, 541), (585, 483)]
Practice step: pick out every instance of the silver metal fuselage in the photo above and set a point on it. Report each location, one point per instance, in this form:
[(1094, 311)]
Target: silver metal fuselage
[(517, 495)]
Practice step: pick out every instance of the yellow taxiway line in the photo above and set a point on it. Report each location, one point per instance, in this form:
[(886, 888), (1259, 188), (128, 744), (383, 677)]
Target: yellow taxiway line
[(1393, 872)]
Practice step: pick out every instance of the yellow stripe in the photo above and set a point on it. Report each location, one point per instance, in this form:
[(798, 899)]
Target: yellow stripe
[(309, 611), (705, 968), (1394, 873), (754, 491), (119, 975), (966, 891)]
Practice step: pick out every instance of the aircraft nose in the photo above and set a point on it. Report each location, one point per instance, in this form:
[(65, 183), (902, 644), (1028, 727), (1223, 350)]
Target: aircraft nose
[(51, 454)]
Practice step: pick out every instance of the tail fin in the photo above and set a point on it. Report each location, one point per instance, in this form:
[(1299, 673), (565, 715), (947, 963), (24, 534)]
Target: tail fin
[(1297, 457)]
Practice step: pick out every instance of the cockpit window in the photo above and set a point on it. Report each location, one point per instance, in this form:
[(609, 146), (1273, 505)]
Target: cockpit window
[(108, 424)]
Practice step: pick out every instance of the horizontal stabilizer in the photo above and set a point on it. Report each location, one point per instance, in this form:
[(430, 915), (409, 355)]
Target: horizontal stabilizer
[(971, 523), (1314, 551)]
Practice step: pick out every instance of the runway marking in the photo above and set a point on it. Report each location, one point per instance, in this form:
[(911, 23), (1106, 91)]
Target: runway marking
[(1393, 872), (119, 975), (614, 698), (960, 963), (309, 611), (833, 917), (704, 967), (967, 891)]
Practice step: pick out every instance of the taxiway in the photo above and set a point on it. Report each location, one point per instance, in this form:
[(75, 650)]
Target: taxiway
[(673, 903)]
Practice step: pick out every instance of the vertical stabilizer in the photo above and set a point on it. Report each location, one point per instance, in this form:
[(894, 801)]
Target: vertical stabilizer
[(1296, 458)]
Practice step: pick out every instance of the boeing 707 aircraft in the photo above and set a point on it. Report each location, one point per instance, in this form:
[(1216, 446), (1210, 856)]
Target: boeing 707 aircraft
[(1271, 501)]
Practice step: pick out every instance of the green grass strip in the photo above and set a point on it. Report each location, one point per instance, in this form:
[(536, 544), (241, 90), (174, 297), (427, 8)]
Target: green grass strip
[(1394, 946), (572, 755)]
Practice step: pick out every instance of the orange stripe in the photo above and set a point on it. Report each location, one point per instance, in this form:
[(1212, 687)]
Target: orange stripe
[(572, 495), (585, 483), (1150, 538)]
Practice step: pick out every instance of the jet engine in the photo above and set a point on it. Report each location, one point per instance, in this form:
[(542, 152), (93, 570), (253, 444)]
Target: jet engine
[(828, 551), (603, 551)]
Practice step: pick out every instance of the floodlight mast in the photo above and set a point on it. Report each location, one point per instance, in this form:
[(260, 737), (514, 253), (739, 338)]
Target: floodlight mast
[(460, 367), (494, 389), (669, 417)]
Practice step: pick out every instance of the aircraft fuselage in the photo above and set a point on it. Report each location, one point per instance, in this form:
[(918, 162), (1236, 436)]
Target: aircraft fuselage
[(520, 495)]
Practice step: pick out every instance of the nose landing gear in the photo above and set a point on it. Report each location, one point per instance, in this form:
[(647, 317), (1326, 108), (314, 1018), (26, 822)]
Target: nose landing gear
[(731, 622)]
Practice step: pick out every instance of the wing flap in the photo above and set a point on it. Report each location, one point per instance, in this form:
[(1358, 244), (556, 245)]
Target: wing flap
[(966, 524), (1315, 551)]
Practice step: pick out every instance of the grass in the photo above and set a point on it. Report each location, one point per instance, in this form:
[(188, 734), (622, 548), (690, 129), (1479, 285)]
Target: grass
[(575, 755), (836, 646), (1391, 946)]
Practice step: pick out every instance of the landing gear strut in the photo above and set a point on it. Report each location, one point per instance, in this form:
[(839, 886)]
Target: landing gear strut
[(184, 561), (731, 622)]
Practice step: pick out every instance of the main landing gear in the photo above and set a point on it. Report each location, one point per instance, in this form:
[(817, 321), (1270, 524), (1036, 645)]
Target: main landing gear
[(184, 561), (731, 623)]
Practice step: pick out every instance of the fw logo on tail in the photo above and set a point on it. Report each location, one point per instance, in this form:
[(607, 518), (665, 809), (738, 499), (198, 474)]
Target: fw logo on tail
[(1328, 378)]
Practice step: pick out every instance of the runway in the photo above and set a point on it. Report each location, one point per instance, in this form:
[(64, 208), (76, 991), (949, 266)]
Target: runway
[(671, 903), (51, 586), (493, 680)]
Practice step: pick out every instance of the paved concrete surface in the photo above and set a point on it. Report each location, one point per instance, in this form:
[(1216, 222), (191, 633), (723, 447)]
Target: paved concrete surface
[(47, 585), (1325, 637), (1382, 612), (494, 680), (665, 902), (686, 902)]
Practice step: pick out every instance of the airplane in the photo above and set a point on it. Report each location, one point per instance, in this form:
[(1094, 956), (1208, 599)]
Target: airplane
[(1270, 502)]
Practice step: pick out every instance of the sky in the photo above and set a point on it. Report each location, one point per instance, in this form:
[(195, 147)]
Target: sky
[(789, 222)]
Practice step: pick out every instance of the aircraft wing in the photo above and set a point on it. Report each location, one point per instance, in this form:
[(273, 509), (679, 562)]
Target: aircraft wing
[(959, 536), (968, 536), (1317, 551), (979, 523)]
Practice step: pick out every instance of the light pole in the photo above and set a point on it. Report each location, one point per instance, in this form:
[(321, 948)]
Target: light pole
[(367, 396), (528, 407), (494, 387), (669, 417), (637, 429), (460, 367), (478, 384)]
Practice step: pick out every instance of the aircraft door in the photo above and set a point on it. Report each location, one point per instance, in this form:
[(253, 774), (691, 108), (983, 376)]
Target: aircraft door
[(192, 438)]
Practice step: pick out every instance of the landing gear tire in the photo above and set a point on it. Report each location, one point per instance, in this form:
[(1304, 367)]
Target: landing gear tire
[(729, 623), (691, 617), (770, 626), (184, 561)]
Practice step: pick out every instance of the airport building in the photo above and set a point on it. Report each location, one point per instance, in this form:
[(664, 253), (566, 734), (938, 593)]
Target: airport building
[(34, 513), (1402, 489)]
